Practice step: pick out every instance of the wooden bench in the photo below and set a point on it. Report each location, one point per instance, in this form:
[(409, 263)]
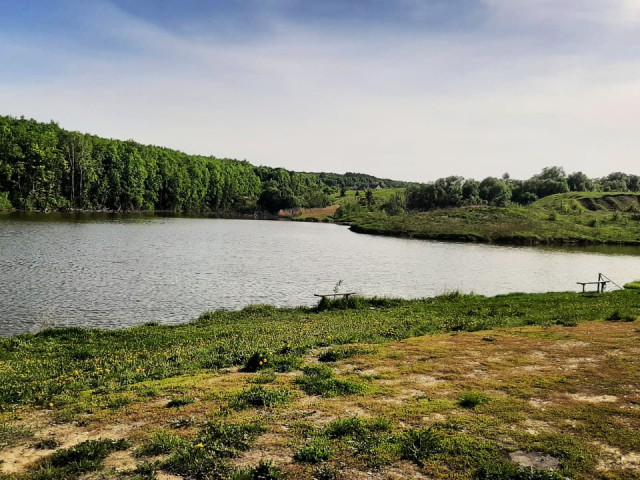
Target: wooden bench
[(334, 295), (601, 285)]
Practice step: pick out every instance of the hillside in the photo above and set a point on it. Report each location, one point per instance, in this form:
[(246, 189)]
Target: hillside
[(592, 201), (568, 218)]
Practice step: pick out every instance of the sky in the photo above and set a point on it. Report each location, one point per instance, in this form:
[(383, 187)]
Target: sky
[(404, 89)]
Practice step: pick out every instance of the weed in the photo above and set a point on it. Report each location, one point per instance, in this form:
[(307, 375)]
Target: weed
[(84, 457), (326, 472), (340, 353), (264, 471), (260, 396), (286, 363), (315, 452), (180, 402), (418, 445), (616, 316), (319, 380), (472, 399), (257, 361), (264, 377), (226, 439), (46, 444), (501, 470), (161, 443)]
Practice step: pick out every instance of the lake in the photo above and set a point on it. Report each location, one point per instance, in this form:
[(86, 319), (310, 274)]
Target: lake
[(113, 271)]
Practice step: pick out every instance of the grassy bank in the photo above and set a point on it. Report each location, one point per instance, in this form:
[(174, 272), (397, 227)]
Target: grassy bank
[(582, 218), (334, 393)]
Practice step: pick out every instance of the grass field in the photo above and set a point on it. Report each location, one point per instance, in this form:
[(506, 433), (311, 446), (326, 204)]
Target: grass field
[(521, 386), (573, 218)]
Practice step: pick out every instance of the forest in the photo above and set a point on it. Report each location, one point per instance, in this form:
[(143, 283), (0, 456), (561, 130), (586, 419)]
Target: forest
[(44, 167)]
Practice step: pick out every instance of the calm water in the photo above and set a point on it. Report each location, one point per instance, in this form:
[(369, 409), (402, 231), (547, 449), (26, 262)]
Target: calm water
[(116, 271)]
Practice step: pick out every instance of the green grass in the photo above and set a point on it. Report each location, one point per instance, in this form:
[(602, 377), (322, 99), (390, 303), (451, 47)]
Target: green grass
[(573, 218), (46, 369), (320, 380)]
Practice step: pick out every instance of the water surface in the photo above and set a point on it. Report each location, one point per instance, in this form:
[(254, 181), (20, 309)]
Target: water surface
[(117, 271)]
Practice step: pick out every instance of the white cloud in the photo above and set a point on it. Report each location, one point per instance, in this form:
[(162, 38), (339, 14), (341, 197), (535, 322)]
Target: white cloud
[(397, 105)]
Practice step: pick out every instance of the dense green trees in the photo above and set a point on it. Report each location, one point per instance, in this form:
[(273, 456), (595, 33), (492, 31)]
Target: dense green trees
[(45, 167), (457, 191)]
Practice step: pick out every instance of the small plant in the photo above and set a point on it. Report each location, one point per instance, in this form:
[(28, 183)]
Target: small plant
[(264, 471), (160, 443), (257, 361), (340, 353), (326, 472), (620, 317), (286, 363), (501, 470), (47, 444), (86, 456), (319, 380), (260, 396), (316, 452), (264, 377), (473, 399), (226, 439), (418, 445), (180, 402)]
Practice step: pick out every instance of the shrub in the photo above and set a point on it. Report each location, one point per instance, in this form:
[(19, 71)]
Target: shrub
[(315, 452), (620, 317), (418, 445), (180, 402), (472, 399), (257, 361), (161, 443)]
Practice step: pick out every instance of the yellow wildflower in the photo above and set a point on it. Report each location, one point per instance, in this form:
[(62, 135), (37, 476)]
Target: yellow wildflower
[(200, 445)]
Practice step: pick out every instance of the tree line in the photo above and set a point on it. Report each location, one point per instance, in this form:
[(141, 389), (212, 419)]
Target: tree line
[(45, 167), (457, 191)]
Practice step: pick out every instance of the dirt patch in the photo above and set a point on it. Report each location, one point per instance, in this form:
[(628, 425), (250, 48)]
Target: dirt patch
[(536, 460), (593, 398), (269, 447), (613, 458), (120, 462), (17, 459)]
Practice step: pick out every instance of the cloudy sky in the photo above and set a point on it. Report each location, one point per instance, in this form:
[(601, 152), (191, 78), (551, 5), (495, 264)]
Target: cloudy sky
[(407, 89)]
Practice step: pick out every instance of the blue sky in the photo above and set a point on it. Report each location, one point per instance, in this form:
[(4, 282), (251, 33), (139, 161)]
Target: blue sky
[(408, 89)]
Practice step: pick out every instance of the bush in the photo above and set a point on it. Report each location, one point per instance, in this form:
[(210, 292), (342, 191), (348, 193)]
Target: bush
[(620, 317), (315, 452), (473, 399), (161, 443), (418, 445), (180, 402), (257, 361)]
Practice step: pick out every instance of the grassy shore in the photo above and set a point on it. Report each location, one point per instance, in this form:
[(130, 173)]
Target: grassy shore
[(571, 218), (521, 386)]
